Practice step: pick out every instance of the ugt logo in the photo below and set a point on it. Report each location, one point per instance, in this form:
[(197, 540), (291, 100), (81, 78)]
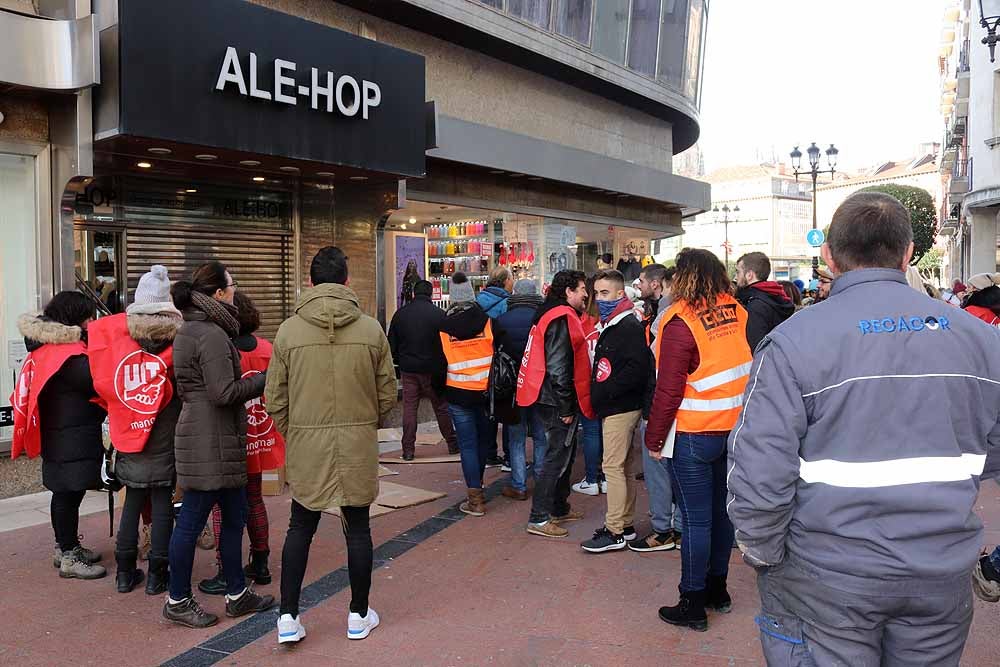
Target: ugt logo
[(259, 423), (140, 381), (22, 390)]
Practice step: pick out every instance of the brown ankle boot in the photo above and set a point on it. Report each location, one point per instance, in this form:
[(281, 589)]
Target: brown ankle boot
[(476, 503)]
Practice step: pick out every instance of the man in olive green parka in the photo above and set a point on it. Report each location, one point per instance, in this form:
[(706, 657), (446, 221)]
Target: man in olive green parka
[(329, 384)]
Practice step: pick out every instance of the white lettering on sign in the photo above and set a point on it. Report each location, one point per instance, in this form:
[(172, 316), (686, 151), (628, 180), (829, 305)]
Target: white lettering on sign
[(348, 95)]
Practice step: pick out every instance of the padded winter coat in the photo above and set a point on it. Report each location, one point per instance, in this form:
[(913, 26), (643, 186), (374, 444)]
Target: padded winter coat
[(210, 443), (329, 384), (72, 444)]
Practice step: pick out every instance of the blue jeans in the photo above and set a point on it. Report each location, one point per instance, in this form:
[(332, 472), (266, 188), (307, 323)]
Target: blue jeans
[(592, 442), (517, 435), (660, 490), (477, 436), (698, 471), (196, 507)]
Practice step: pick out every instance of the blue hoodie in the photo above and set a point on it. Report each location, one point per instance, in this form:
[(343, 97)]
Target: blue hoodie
[(493, 300)]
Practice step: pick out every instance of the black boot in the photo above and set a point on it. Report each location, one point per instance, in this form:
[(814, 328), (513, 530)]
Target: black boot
[(689, 612), (159, 578), (128, 576), (716, 596), (214, 586), (257, 569)]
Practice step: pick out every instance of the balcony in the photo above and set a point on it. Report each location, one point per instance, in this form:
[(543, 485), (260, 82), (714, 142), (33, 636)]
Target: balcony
[(961, 178)]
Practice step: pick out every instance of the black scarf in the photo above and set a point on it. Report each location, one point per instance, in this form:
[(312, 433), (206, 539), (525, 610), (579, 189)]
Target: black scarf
[(219, 312)]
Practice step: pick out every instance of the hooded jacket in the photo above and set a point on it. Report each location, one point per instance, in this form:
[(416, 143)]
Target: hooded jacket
[(493, 300), (512, 327), (767, 306), (210, 446), (463, 321), (154, 465), (329, 384), (623, 366), (837, 460), (70, 424)]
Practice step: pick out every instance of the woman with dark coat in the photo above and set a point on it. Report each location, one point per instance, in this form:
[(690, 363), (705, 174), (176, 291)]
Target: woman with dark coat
[(210, 442), (69, 424)]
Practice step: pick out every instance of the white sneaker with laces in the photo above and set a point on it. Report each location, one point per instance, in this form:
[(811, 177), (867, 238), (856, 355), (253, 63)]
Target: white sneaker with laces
[(358, 626), (586, 488), (604, 486), (290, 629)]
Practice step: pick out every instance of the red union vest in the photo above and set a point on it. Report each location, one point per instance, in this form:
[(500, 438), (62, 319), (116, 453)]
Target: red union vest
[(265, 446), (532, 373), (39, 366), (132, 384)]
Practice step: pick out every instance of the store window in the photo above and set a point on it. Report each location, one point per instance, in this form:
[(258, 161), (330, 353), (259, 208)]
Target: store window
[(611, 29), (642, 40), (532, 11), (495, 4), (572, 19), (672, 43), (696, 36)]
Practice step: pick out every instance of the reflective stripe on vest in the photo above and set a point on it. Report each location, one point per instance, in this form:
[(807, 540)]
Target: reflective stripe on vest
[(713, 395), (469, 360)]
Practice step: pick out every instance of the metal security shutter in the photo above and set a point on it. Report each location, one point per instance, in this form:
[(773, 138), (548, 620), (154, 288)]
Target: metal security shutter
[(248, 231)]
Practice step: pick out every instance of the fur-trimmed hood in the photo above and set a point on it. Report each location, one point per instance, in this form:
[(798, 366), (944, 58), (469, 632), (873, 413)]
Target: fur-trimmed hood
[(38, 331), (154, 332)]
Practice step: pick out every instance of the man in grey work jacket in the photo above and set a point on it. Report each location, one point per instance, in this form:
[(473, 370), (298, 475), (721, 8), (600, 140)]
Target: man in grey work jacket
[(852, 498)]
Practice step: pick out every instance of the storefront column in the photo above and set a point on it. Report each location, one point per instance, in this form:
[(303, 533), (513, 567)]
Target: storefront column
[(983, 251)]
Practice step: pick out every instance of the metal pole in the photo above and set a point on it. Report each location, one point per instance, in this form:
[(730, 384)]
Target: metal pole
[(725, 224), (815, 262)]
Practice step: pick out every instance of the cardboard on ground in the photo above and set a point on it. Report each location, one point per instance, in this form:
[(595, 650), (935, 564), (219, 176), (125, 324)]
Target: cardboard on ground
[(392, 497)]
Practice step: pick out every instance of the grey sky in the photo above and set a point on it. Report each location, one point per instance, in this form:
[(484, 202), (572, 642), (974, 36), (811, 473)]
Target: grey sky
[(859, 73)]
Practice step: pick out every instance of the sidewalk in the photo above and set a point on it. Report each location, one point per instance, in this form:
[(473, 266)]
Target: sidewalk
[(450, 589)]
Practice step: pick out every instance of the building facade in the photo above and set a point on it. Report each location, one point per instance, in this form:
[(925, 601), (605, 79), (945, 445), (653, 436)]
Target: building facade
[(422, 136)]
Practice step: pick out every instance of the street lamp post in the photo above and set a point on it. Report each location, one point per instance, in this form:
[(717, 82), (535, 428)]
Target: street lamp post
[(989, 18), (831, 159), (725, 222)]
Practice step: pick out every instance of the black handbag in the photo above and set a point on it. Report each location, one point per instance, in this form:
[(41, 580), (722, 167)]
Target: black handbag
[(502, 388)]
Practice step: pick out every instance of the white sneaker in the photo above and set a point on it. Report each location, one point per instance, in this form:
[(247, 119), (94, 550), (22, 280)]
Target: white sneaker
[(586, 488), (290, 629), (359, 626), (604, 486)]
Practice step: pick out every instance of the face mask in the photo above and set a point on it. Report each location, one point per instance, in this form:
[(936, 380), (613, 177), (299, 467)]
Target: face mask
[(607, 307)]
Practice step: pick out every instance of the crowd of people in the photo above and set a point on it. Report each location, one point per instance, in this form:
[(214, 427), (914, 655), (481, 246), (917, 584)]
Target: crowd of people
[(793, 429)]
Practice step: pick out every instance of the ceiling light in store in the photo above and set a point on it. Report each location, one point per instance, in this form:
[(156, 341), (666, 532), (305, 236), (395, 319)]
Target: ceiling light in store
[(190, 191), (250, 163), (207, 157), (403, 225), (258, 179), (289, 169), (144, 165), (413, 221), (159, 151), (326, 174), (359, 178)]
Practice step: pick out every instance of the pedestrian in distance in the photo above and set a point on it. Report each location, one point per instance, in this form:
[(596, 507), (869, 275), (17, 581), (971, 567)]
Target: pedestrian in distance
[(702, 360), (765, 301), (416, 348), (330, 384), (854, 502), (467, 340), (210, 442), (131, 359), (55, 416), (982, 297), (621, 379), (554, 379), (512, 337), (265, 451)]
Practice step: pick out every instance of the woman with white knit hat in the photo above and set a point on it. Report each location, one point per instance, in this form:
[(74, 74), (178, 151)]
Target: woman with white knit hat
[(131, 358)]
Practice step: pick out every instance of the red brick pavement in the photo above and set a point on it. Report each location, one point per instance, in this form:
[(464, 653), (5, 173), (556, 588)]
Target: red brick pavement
[(479, 592)]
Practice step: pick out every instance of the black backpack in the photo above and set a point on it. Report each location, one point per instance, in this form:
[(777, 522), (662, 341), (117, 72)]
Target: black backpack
[(502, 389)]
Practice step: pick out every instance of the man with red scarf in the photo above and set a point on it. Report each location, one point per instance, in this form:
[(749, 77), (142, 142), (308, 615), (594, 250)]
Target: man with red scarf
[(555, 379)]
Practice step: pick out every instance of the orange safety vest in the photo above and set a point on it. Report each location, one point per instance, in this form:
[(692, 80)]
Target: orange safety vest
[(469, 360), (713, 396)]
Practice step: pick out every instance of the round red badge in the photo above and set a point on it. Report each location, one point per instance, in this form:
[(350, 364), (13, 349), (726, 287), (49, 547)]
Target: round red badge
[(603, 369), (139, 382)]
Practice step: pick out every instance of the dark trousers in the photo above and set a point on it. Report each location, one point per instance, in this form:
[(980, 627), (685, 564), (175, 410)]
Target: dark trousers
[(64, 511), (698, 474), (415, 387), (195, 508), (552, 488), (477, 435), (257, 524), (804, 622), (162, 523), (295, 556)]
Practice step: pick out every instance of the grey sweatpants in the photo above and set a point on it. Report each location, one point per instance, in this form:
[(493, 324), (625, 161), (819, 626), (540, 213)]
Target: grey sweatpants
[(804, 622)]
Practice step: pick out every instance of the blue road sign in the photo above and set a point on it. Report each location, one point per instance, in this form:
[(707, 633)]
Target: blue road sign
[(815, 237)]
